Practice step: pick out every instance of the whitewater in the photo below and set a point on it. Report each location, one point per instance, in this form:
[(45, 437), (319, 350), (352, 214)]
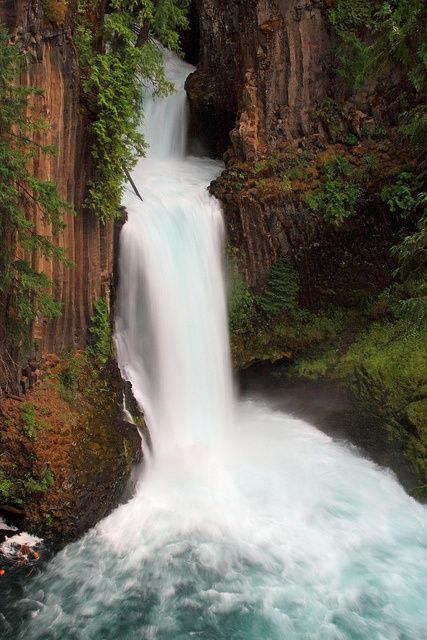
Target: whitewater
[(246, 523)]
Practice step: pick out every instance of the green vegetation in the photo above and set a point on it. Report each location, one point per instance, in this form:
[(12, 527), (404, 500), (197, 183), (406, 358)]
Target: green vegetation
[(111, 85), (385, 365), (281, 291), (329, 115), (271, 325), (18, 491), (378, 350), (371, 38), (68, 378), (241, 305), (408, 197), (401, 197), (8, 490), (85, 367), (31, 485), (28, 417), (341, 188), (374, 35), (25, 291), (100, 345), (338, 195)]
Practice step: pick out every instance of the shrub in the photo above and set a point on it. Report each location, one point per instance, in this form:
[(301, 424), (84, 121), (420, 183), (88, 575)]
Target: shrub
[(112, 89), (241, 305), (337, 197), (31, 485), (401, 196)]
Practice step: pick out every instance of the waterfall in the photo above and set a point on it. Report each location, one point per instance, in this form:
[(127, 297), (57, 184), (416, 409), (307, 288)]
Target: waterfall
[(248, 524), (171, 328)]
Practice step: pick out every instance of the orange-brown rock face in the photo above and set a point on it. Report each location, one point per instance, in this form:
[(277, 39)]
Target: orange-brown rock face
[(270, 62), (267, 66), (53, 67)]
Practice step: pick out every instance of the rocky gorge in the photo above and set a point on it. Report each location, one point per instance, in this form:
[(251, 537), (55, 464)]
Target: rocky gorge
[(311, 269), (311, 154)]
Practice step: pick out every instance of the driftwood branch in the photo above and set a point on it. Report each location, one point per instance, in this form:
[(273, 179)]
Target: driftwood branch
[(134, 187)]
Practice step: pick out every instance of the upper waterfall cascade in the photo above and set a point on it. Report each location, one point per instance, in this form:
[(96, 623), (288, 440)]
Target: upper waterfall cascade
[(247, 524)]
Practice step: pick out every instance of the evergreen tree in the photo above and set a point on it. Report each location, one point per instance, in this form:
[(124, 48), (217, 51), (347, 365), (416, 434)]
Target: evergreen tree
[(24, 292)]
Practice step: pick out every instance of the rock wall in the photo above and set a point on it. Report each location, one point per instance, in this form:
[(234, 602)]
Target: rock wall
[(270, 62), (53, 67), (336, 266), (268, 66)]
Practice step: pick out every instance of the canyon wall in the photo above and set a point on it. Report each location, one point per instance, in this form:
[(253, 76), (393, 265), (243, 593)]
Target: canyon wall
[(271, 64), (267, 67), (53, 68)]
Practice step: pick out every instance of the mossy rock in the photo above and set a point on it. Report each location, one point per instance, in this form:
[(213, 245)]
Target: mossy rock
[(416, 412)]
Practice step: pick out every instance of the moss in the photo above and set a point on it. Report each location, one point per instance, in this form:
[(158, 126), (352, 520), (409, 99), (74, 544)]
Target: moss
[(55, 10), (285, 336), (76, 468), (30, 419), (386, 366), (18, 491), (416, 412), (128, 457), (9, 490)]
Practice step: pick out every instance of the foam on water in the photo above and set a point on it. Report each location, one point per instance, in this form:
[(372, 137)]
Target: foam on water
[(247, 524)]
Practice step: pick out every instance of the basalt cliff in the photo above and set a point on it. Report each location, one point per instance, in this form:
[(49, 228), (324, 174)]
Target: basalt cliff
[(53, 68), (265, 90), (311, 104), (66, 453)]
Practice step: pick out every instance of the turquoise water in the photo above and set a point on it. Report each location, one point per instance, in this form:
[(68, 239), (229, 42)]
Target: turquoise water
[(289, 535)]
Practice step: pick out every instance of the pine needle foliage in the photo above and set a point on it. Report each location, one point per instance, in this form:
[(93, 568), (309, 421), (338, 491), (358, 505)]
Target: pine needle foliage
[(281, 291), (371, 36), (24, 292)]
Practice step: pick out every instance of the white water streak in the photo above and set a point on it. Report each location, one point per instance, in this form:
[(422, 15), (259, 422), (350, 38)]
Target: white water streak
[(171, 327)]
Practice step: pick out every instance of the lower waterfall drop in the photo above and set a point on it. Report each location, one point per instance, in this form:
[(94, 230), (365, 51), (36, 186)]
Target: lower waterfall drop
[(247, 524)]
